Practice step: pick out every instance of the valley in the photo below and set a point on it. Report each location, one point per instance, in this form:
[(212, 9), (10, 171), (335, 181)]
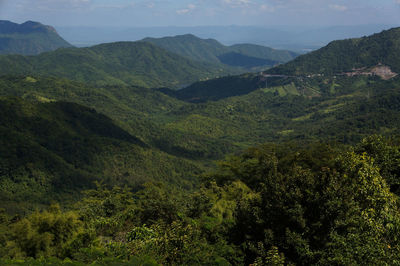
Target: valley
[(184, 151)]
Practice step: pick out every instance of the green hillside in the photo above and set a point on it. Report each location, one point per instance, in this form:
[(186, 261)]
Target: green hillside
[(29, 38), (123, 63), (191, 46), (308, 170), (343, 109), (247, 56), (346, 55), (376, 55), (143, 112), (50, 151), (216, 89)]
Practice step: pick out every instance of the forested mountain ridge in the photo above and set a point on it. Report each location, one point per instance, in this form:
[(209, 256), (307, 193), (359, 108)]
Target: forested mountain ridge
[(60, 148), (305, 179), (332, 201), (346, 55), (376, 55), (246, 56), (143, 112), (29, 38), (122, 63)]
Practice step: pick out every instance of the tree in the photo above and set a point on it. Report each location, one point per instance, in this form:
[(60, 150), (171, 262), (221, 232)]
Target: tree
[(341, 212), (48, 233)]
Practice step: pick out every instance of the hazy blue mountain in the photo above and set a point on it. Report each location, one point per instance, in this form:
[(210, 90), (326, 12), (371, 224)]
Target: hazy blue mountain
[(295, 38), (29, 38), (191, 46)]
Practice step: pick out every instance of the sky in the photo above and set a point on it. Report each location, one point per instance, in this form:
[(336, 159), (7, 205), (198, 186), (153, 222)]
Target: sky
[(146, 13)]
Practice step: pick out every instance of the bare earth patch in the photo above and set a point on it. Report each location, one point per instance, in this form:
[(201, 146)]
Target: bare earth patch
[(383, 71)]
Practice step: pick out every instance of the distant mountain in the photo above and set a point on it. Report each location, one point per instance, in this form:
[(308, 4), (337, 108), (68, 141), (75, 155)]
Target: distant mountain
[(209, 50), (191, 46), (296, 38), (348, 55), (122, 63), (29, 38), (376, 55)]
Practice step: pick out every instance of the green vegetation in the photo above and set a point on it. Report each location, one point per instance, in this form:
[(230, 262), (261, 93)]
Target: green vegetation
[(345, 55), (144, 113), (347, 116), (124, 63), (274, 204), (162, 138), (247, 56), (51, 151), (216, 89), (94, 171), (29, 38)]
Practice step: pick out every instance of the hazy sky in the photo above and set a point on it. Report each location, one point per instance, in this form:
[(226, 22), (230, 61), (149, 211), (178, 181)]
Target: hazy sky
[(202, 12)]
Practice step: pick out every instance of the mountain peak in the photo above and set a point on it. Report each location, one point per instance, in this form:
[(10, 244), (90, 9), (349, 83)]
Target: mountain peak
[(28, 38), (8, 27)]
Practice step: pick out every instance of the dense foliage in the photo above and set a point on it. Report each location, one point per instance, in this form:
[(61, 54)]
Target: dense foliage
[(271, 205), (217, 89), (344, 55), (132, 167), (121, 63), (181, 137), (247, 56), (51, 151)]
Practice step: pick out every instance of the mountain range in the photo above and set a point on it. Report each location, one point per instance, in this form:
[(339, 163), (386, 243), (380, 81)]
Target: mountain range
[(247, 56), (170, 135), (29, 38), (375, 55), (296, 38), (122, 63), (347, 55), (293, 165)]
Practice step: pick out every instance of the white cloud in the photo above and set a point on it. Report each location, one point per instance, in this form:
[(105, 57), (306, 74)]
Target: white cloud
[(267, 8), (237, 3), (338, 7), (183, 11)]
